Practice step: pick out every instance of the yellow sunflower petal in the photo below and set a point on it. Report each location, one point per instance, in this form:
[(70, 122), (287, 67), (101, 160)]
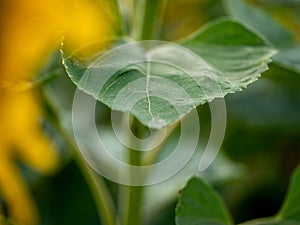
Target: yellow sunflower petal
[(32, 29), (21, 207), (20, 118), (35, 151)]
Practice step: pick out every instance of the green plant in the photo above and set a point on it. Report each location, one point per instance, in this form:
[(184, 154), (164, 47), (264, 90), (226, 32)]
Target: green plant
[(159, 83), (199, 204)]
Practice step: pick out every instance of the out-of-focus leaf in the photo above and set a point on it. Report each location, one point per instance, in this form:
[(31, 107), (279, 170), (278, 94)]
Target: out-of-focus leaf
[(141, 80), (270, 221), (291, 206), (199, 204), (289, 58), (272, 31), (286, 12), (261, 22), (290, 211)]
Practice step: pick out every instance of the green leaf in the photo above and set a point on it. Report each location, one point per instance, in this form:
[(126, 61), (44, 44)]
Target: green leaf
[(160, 82), (272, 31), (291, 206), (270, 221), (290, 211), (199, 204), (237, 53), (261, 22)]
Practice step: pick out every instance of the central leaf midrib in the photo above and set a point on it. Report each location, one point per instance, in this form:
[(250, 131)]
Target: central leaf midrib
[(148, 68)]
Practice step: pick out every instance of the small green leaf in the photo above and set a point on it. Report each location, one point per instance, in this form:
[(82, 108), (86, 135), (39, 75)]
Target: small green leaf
[(272, 31), (160, 82), (290, 211), (270, 221), (291, 206), (199, 204)]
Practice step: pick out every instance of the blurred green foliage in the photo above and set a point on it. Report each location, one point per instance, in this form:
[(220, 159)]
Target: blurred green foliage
[(262, 141)]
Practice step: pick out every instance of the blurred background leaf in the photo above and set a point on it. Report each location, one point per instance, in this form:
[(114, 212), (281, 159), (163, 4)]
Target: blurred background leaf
[(273, 31)]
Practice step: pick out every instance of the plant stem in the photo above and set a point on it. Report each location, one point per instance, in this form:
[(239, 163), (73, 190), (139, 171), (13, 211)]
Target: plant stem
[(135, 197), (144, 27), (97, 185), (132, 195), (99, 190), (150, 157), (147, 13), (119, 16)]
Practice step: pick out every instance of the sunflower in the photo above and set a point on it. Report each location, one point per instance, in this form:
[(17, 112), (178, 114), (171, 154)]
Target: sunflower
[(22, 138), (30, 31)]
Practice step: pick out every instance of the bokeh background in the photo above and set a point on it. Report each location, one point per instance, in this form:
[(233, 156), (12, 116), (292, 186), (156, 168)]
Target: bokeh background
[(39, 181)]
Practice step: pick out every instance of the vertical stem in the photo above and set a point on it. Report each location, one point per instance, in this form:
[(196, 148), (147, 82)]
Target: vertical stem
[(150, 157), (147, 13), (103, 199), (134, 213), (144, 27), (101, 194), (117, 10), (133, 195)]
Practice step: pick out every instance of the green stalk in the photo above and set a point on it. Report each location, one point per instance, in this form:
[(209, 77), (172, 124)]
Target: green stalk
[(102, 196), (147, 18), (150, 157), (132, 196), (144, 27), (119, 16), (99, 190)]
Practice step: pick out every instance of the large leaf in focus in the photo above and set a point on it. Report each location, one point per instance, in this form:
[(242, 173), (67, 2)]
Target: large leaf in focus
[(271, 30), (236, 53), (199, 204), (159, 82)]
